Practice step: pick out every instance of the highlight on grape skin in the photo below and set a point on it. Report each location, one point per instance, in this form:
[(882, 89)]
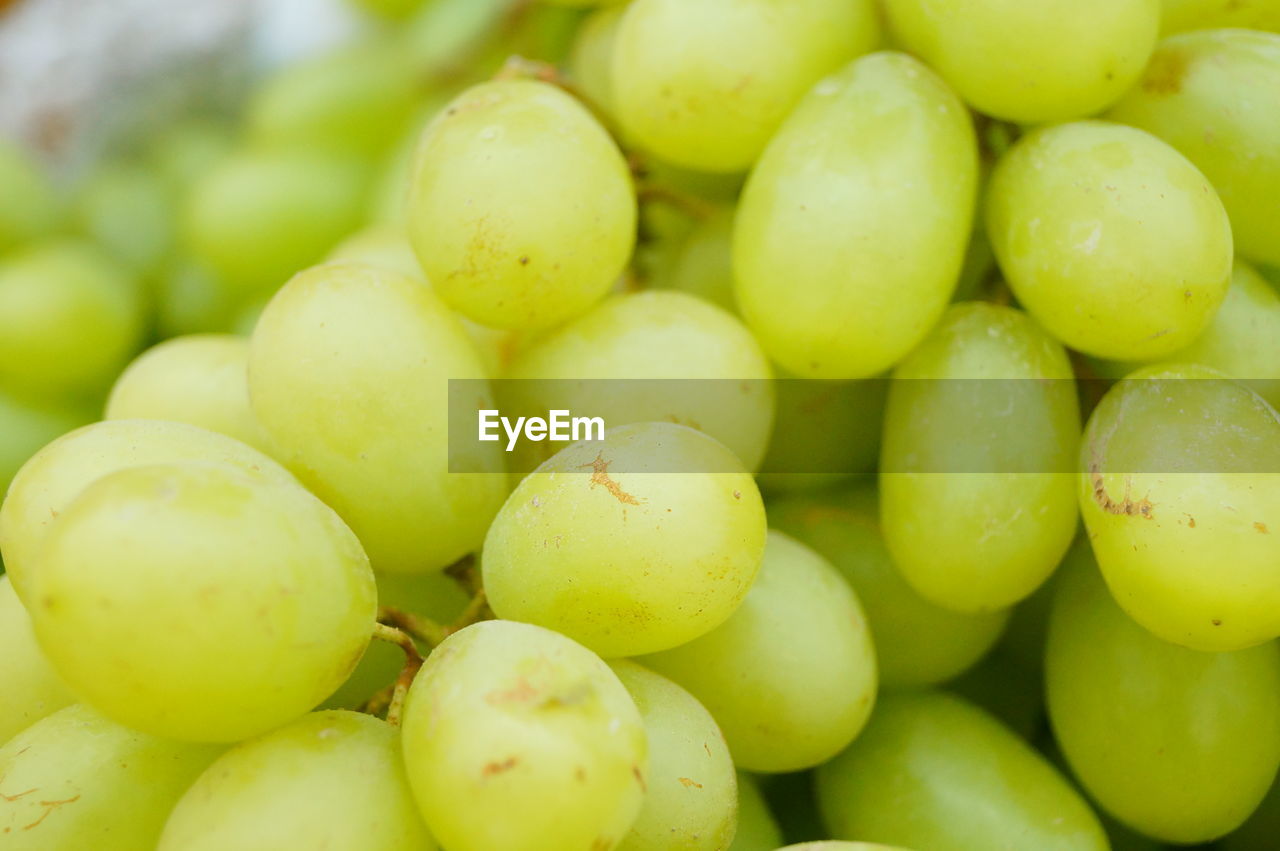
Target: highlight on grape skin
[(640, 425)]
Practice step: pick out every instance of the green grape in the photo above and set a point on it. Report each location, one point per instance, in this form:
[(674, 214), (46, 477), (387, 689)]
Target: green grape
[(191, 299), (703, 264), (29, 204), (328, 780), (1179, 495), (916, 642), (1143, 722), (852, 227), (520, 208), (393, 10), (704, 84), (636, 543), (1052, 60), (840, 845), (69, 318), (201, 379), (691, 801), (53, 477), (25, 427), (77, 781), (933, 772), (1211, 96), (518, 738), (591, 57), (791, 676), (757, 828), (651, 335), (356, 99), (803, 455), (1180, 15), (348, 373), (128, 210), (976, 498), (1110, 238), (579, 3), (182, 152), (198, 602), (32, 690), (1260, 830), (258, 217)]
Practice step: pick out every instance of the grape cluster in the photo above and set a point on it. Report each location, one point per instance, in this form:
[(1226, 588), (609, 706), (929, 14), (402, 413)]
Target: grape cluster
[(972, 272)]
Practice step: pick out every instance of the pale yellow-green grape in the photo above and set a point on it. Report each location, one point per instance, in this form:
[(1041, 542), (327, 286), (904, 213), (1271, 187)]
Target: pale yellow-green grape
[(757, 828), (703, 265), (632, 544), (349, 373), (717, 378), (26, 426), (70, 316), (705, 83), (824, 432), (355, 99), (691, 801), (1052, 60), (258, 217), (29, 204), (1260, 830), (1143, 722), (916, 642), (932, 771), (1180, 15), (53, 477), (431, 595), (197, 602), (852, 228), (328, 780), (791, 676), (31, 688), (976, 492), (128, 210), (521, 208), (201, 379), (1110, 238), (181, 153), (1180, 491), (591, 57), (1212, 96), (518, 738), (76, 781), (191, 299)]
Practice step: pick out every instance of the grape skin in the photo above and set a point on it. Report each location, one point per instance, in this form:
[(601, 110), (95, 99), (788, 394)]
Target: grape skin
[(32, 688)]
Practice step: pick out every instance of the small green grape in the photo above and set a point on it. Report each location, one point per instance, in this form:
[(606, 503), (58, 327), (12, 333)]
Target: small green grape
[(757, 828), (29, 205), (852, 227), (93, 784), (521, 209), (328, 780), (197, 602), (931, 771), (1210, 95), (32, 688), (637, 543), (704, 84), (1110, 238), (1142, 722), (128, 210), (1180, 15), (791, 676), (518, 738)]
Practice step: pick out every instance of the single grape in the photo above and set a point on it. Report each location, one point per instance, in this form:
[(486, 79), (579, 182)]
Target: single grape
[(53, 477), (349, 372), (1210, 95), (29, 205), (916, 642), (696, 365), (328, 780), (1179, 494), (77, 781), (791, 676), (757, 828), (518, 738), (196, 602), (932, 771), (521, 209), (201, 379), (976, 488), (1180, 15), (1110, 238), (704, 84), (128, 210), (32, 689), (852, 227), (640, 542), (1142, 722)]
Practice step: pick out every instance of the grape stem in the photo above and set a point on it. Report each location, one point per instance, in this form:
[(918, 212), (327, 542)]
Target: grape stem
[(657, 193), (521, 68), (464, 572), (412, 664), (408, 624)]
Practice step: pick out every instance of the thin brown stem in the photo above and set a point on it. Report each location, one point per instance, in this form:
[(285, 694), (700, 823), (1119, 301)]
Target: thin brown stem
[(412, 664), (422, 628), (466, 573)]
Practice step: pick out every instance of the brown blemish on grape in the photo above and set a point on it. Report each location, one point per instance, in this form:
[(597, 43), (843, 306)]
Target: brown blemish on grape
[(11, 798), (1216, 622), (737, 494), (600, 476), (494, 768), (580, 774), (635, 772), (601, 843), (49, 807), (1191, 521), (1262, 528), (1165, 73), (1127, 506), (690, 784), (524, 260), (522, 691)]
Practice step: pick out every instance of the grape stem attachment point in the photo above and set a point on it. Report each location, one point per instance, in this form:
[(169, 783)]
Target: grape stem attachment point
[(412, 663)]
